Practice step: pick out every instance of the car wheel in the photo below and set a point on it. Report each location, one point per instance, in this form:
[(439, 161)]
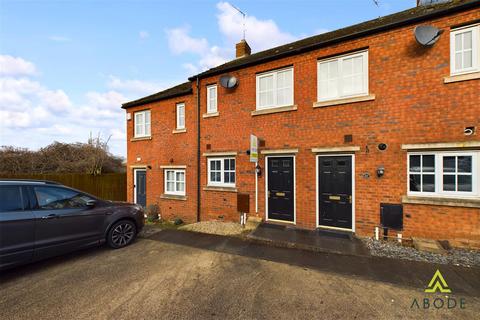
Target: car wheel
[(121, 234)]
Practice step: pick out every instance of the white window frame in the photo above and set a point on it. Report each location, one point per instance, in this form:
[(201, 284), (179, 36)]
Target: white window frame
[(275, 91), (175, 181), (222, 171), (439, 192), (212, 107), (475, 29), (340, 59), (146, 126), (179, 116)]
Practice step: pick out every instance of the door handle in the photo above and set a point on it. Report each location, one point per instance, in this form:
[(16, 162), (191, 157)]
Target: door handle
[(50, 216)]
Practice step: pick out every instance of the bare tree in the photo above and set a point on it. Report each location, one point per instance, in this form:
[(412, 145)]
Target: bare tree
[(92, 157)]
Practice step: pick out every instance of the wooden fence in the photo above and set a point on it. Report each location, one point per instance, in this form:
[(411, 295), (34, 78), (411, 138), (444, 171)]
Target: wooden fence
[(109, 186)]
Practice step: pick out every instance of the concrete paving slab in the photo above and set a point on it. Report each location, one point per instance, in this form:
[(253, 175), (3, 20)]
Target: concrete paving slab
[(428, 245), (311, 240)]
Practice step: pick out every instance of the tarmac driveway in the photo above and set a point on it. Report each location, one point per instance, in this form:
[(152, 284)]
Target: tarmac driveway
[(159, 279)]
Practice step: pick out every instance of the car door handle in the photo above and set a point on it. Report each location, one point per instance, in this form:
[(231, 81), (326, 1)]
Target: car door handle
[(50, 216)]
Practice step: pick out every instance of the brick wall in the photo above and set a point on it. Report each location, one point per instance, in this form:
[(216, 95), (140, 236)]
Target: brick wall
[(412, 105), (166, 148)]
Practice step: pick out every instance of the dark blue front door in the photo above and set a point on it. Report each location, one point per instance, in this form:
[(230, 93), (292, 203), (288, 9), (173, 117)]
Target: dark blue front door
[(141, 187)]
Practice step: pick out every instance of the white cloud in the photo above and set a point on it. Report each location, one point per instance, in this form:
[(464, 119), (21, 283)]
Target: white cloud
[(134, 86), (143, 34), (260, 34), (33, 115), (12, 66), (58, 38), (180, 41)]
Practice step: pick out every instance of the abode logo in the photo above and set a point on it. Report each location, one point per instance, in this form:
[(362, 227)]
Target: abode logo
[(438, 284)]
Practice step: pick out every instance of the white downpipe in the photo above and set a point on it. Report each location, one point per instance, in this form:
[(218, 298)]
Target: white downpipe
[(256, 187), (376, 233)]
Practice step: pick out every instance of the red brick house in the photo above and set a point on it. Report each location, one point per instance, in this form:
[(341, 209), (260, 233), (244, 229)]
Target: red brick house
[(352, 123)]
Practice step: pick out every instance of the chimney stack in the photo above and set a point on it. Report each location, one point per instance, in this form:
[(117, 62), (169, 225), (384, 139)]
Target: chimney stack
[(242, 49)]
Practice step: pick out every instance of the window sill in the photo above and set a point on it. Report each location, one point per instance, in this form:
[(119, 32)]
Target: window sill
[(173, 197), (335, 102), (438, 201), (179, 131), (222, 189), (462, 77), (441, 145), (260, 112), (141, 138), (211, 115)]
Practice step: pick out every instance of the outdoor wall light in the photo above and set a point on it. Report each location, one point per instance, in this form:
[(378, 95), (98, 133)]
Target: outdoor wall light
[(258, 170), (380, 172)]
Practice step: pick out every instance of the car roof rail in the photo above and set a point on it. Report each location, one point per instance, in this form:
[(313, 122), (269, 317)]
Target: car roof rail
[(29, 181)]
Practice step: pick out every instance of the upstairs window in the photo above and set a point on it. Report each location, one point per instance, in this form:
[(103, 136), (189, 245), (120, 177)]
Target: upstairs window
[(142, 124), (212, 99), (275, 89), (175, 182), (464, 50), (180, 115), (343, 77), (221, 172), (443, 173)]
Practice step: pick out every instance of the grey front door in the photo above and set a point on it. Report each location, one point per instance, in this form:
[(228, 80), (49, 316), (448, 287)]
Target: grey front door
[(141, 187), (335, 191), (280, 188)]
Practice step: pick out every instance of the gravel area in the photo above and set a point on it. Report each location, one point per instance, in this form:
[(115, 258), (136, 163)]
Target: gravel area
[(216, 227), (458, 257)]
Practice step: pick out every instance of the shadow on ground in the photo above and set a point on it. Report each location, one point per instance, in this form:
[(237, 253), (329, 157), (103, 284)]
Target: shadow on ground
[(415, 274)]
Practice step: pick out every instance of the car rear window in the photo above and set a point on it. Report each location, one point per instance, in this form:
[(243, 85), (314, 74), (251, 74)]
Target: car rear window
[(10, 199)]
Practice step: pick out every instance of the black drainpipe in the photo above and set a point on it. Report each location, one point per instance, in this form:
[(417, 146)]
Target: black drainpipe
[(198, 150)]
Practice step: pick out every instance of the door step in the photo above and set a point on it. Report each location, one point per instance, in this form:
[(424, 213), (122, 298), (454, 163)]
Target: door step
[(335, 233)]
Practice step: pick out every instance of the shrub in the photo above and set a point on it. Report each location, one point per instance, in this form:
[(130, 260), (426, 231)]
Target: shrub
[(153, 213)]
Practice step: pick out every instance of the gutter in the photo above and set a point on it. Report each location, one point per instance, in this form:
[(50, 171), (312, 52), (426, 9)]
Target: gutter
[(439, 13), (198, 149), (136, 103)]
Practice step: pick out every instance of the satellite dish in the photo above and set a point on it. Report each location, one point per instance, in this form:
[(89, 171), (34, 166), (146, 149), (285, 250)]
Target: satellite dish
[(228, 81), (427, 35)]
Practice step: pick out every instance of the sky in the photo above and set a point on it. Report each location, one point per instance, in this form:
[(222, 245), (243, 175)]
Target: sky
[(67, 66)]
